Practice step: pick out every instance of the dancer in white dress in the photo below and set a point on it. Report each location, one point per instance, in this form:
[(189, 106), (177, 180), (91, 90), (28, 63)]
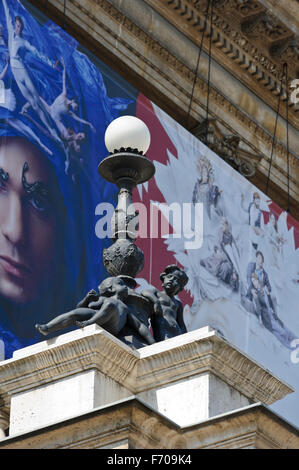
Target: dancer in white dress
[(9, 102), (15, 45), (255, 219), (63, 106)]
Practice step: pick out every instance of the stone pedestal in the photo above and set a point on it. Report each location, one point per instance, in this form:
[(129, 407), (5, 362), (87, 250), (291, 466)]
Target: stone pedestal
[(187, 379)]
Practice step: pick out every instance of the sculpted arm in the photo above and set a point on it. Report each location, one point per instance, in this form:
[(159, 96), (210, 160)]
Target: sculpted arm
[(98, 313), (180, 318), (152, 296), (97, 304), (90, 296)]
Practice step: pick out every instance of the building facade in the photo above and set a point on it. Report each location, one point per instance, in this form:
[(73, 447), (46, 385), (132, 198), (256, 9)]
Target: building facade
[(216, 82)]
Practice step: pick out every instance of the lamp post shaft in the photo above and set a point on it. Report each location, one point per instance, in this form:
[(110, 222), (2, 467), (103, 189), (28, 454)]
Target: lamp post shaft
[(126, 169)]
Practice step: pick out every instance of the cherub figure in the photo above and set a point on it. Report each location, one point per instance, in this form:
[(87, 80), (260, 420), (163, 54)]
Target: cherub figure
[(167, 320), (106, 308)]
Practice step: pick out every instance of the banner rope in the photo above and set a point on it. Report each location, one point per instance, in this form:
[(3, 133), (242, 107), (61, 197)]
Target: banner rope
[(285, 65), (197, 64), (64, 15), (209, 70), (274, 135)]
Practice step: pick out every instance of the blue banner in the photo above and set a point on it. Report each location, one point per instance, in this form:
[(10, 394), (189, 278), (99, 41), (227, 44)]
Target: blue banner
[(54, 109)]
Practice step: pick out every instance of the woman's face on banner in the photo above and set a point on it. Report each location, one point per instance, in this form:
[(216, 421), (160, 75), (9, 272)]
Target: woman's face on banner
[(28, 221)]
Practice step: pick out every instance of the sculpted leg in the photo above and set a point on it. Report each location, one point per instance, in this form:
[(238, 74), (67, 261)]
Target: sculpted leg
[(65, 320)]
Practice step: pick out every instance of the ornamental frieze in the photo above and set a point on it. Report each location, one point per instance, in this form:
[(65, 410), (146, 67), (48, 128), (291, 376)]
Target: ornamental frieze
[(245, 25)]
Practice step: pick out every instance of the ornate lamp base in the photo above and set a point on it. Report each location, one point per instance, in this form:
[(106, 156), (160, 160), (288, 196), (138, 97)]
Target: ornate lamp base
[(123, 258), (126, 169)]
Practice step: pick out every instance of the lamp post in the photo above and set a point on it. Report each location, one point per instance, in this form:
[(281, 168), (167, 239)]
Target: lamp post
[(127, 139)]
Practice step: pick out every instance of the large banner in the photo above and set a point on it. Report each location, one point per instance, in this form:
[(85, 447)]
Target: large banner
[(239, 249), (55, 105), (244, 278)]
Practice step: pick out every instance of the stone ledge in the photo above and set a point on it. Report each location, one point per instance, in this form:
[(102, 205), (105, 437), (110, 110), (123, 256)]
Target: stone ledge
[(134, 425), (153, 366), (46, 362), (203, 351)]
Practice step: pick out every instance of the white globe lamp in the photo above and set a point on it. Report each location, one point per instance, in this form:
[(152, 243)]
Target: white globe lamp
[(127, 132)]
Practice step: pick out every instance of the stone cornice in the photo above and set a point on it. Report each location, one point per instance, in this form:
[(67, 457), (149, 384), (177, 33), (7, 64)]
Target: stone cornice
[(245, 51), (93, 348), (62, 358), (287, 11), (205, 351), (131, 424)]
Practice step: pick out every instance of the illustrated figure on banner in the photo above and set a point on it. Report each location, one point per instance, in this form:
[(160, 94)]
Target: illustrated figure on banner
[(31, 210), (263, 304), (9, 102), (223, 263), (17, 45), (50, 115), (61, 107), (255, 219), (205, 189), (274, 241), (278, 247)]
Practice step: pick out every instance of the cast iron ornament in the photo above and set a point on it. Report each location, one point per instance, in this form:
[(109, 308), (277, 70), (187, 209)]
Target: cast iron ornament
[(116, 306)]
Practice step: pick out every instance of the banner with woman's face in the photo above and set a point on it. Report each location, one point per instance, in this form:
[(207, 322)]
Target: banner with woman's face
[(238, 248), (55, 106)]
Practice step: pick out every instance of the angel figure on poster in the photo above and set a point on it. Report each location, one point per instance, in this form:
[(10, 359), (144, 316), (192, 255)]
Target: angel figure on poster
[(205, 190), (255, 219), (275, 239)]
